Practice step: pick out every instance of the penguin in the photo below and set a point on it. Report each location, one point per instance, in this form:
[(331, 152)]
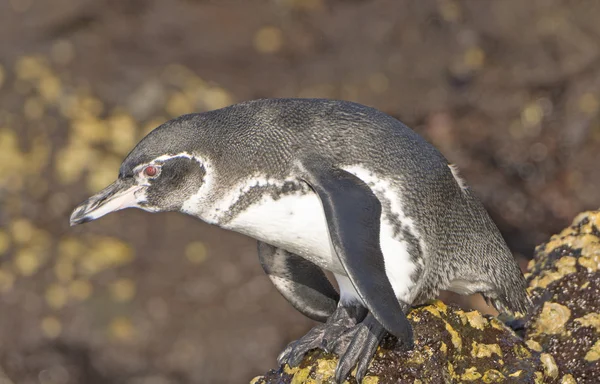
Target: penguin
[(326, 185)]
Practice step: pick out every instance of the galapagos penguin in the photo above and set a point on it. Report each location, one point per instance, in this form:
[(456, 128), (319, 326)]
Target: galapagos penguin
[(326, 185)]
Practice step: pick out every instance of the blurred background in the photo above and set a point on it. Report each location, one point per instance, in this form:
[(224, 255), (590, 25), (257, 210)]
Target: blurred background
[(507, 90)]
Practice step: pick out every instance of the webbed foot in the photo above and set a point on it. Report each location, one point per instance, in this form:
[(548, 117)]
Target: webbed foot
[(325, 336)]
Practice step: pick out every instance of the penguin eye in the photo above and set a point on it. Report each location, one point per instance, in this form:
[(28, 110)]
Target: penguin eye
[(151, 171)]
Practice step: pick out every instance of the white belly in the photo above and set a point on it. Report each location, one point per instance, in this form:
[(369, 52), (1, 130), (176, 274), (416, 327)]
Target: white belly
[(297, 224)]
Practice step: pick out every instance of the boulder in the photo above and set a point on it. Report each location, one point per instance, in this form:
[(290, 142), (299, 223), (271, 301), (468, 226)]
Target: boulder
[(557, 342)]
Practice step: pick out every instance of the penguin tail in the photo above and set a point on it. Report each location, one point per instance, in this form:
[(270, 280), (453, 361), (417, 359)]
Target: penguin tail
[(510, 297)]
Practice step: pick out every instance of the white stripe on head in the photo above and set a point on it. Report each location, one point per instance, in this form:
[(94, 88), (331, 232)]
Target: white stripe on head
[(197, 204)]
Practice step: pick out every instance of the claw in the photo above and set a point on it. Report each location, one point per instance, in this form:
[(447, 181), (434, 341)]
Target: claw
[(365, 337), (295, 351), (323, 336)]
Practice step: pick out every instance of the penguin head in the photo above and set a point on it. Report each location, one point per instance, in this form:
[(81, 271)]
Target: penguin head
[(160, 174)]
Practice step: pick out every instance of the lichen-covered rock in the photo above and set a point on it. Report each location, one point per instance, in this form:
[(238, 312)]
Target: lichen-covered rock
[(562, 332), (565, 285), (451, 345)]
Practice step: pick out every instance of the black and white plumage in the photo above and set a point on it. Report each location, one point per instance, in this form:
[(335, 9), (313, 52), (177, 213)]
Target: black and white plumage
[(326, 185)]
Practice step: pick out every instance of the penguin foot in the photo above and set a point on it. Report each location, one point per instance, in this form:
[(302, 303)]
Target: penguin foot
[(359, 345), (325, 336)]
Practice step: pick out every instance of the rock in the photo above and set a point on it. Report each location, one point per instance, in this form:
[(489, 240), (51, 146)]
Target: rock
[(564, 283), (561, 341)]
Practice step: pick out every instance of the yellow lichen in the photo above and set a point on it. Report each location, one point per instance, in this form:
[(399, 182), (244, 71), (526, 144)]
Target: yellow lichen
[(493, 376), (370, 380), (594, 353), (590, 261), (534, 345), (444, 348), (122, 131), (216, 97), (539, 378), (552, 319), (256, 379), (104, 253), (568, 379), (80, 289), (549, 365), (71, 248), (521, 351), (433, 310), (564, 266), (301, 376), (56, 296), (456, 340), (590, 320), (195, 252), (462, 316), (27, 262), (268, 39), (441, 306), (121, 329), (494, 322), (416, 358), (22, 231), (51, 327), (325, 369), (49, 88), (476, 320), (290, 370), (516, 373), (584, 285), (122, 290), (452, 371), (471, 374), (485, 350)]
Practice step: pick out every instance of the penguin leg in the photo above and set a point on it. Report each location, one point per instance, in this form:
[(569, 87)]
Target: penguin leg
[(301, 282), (353, 215), (324, 336)]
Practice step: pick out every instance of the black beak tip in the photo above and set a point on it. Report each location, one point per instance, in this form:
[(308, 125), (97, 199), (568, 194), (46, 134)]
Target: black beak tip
[(78, 221), (79, 217)]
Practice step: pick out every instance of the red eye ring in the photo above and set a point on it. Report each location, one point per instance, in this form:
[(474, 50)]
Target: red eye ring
[(151, 171)]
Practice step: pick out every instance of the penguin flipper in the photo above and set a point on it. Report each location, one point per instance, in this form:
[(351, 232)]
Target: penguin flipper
[(301, 282), (353, 215)]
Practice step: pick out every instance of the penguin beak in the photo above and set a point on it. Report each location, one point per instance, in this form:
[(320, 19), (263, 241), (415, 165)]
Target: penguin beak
[(121, 194)]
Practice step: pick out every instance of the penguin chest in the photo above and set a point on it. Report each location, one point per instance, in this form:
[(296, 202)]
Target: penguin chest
[(297, 223), (293, 222)]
